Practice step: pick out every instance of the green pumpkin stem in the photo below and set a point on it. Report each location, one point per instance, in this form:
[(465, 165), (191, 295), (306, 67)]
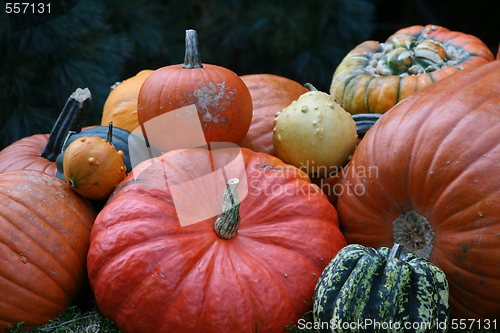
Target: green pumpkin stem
[(192, 55), (310, 87), (395, 251), (109, 137), (227, 223), (71, 118)]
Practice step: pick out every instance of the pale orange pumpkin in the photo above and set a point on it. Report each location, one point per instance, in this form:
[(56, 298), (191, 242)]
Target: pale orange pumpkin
[(121, 105)]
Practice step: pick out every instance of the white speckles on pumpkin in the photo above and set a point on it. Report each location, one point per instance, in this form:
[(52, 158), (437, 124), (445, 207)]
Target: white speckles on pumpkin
[(211, 97)]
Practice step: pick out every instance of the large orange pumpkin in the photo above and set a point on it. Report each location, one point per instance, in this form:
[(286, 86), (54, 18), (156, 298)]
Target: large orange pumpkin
[(222, 99), (270, 94), (44, 238), (149, 274), (426, 175), (374, 76), (39, 152), (121, 105)]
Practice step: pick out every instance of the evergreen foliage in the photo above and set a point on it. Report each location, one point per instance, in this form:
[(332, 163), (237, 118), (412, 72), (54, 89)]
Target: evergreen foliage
[(97, 43)]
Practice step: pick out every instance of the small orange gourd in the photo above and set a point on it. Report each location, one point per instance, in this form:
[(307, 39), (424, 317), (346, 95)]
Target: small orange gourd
[(93, 167)]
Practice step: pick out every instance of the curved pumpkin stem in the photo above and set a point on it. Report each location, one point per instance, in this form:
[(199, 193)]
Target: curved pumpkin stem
[(71, 118), (227, 223), (310, 86), (395, 251), (192, 55)]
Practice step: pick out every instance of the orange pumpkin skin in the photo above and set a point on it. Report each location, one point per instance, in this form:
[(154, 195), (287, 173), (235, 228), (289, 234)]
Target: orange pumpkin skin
[(358, 90), (270, 94), (121, 105), (93, 167), (437, 154), (150, 275), (44, 237), (24, 154), (222, 99)]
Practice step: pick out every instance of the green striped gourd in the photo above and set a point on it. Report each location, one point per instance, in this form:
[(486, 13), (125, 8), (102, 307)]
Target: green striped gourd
[(368, 289)]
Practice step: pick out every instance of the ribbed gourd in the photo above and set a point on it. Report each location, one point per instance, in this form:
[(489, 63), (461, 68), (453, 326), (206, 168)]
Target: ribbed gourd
[(383, 287)]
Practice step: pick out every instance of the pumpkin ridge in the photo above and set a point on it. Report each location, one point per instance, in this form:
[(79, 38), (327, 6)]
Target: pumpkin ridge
[(207, 273), (34, 291), (37, 213), (367, 104), (415, 139), (463, 270), (54, 231), (450, 136), (7, 323), (464, 209), (133, 247), (304, 256), (132, 293), (20, 306), (449, 188), (250, 260)]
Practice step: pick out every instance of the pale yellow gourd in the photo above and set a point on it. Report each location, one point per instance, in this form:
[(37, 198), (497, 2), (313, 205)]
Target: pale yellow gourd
[(315, 134)]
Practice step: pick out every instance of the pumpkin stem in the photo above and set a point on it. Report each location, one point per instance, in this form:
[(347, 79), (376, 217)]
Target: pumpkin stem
[(415, 233), (71, 118), (310, 87), (192, 55), (227, 223), (109, 137), (395, 251)]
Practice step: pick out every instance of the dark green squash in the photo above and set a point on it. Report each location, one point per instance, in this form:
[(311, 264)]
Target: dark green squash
[(384, 286), (365, 121), (120, 141)]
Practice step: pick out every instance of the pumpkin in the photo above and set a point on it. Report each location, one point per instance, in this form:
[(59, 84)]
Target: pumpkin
[(39, 152), (315, 134), (425, 176), (251, 269), (120, 142), (121, 105), (44, 238), (383, 286), (374, 76), (222, 99), (270, 94), (93, 167)]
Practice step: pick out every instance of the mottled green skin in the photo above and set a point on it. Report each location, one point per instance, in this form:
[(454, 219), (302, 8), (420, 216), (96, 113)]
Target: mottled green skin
[(361, 283)]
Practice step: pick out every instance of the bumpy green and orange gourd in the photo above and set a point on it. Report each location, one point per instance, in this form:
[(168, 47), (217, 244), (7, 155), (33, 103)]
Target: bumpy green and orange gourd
[(375, 76), (93, 167)]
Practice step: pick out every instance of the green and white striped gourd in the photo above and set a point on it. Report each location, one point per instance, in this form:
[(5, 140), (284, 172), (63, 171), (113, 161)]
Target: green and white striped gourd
[(365, 285)]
